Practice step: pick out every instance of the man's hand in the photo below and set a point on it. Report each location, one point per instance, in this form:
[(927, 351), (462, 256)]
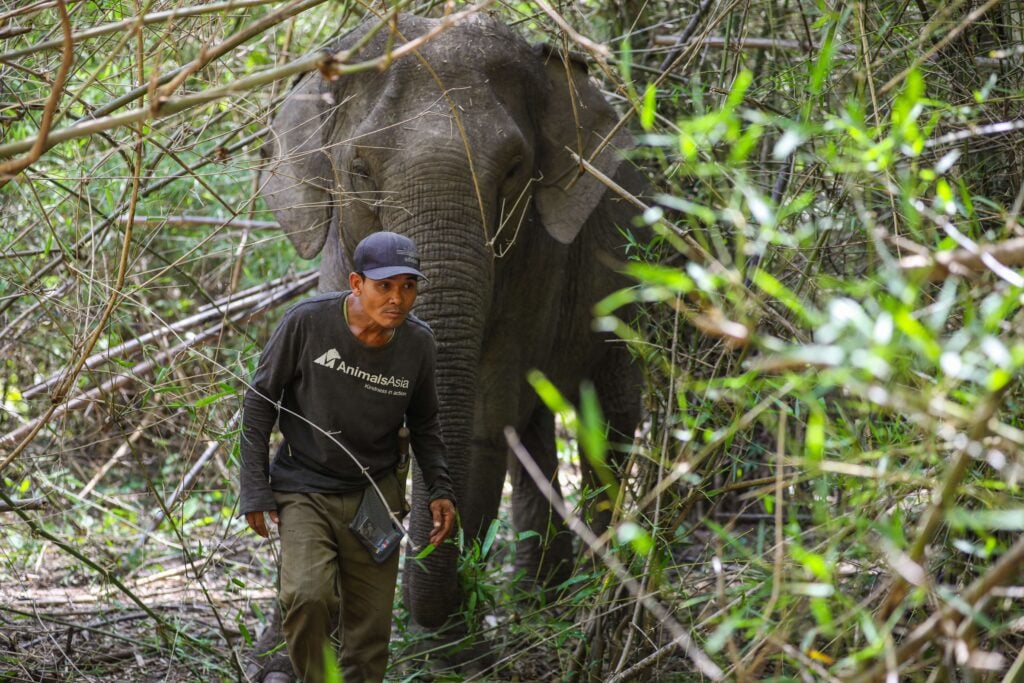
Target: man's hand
[(443, 513), (257, 521)]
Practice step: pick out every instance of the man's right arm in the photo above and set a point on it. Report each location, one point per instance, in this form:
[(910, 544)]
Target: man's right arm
[(259, 415)]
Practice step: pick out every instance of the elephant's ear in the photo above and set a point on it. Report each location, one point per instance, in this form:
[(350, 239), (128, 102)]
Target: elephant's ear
[(296, 179), (577, 117)]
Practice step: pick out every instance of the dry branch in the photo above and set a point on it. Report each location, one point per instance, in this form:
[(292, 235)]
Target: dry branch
[(82, 243), (204, 220), (16, 166), (222, 308), (12, 31), (164, 629), (964, 262), (207, 56), (84, 399), (1003, 571), (943, 496), (937, 47), (175, 105), (681, 40), (331, 65), (132, 23), (26, 504)]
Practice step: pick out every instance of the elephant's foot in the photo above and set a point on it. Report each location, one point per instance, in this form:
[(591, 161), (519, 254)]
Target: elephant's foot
[(452, 649), (268, 661), (279, 677), (270, 668)]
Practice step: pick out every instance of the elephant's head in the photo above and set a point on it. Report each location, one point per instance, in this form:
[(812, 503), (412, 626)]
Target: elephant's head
[(464, 146)]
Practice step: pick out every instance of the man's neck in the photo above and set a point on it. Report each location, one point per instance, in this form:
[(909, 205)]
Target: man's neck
[(363, 328)]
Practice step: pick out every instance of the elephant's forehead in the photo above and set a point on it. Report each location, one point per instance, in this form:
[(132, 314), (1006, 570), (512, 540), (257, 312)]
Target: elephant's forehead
[(479, 43), (451, 57)]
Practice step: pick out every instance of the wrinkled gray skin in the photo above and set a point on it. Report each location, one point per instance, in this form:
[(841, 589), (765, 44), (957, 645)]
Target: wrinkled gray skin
[(515, 261)]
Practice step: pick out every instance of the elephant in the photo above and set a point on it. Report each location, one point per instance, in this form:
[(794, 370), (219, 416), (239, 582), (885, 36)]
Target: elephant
[(466, 146)]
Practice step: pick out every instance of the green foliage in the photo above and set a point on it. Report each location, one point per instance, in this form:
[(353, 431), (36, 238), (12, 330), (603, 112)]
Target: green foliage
[(819, 350), (851, 369), (478, 581)]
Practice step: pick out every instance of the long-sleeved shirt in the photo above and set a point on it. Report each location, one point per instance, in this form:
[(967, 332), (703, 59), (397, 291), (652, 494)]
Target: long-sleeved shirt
[(339, 405)]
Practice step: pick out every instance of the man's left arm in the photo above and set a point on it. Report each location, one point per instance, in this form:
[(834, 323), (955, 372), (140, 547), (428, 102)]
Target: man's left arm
[(429, 449)]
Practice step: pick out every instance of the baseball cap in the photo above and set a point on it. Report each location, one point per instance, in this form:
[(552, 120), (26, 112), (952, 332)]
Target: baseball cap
[(386, 254)]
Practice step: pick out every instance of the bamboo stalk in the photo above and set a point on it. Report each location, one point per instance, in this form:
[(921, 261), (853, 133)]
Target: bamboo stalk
[(172, 106)]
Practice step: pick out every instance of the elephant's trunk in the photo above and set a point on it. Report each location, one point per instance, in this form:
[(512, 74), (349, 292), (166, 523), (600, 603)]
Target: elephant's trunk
[(454, 302)]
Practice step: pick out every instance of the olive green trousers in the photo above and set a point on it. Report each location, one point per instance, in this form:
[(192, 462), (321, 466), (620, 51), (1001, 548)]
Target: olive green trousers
[(326, 574)]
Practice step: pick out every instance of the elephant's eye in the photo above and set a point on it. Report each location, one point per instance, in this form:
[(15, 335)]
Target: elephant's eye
[(514, 168), (360, 167), (510, 185)]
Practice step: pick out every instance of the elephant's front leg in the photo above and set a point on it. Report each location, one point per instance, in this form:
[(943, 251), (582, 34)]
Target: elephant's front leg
[(484, 485), (544, 557)]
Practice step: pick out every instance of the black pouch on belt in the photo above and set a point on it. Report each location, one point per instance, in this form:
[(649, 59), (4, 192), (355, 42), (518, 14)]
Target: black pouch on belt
[(374, 527)]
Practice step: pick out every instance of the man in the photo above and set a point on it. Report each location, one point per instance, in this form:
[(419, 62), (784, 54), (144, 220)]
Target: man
[(340, 375)]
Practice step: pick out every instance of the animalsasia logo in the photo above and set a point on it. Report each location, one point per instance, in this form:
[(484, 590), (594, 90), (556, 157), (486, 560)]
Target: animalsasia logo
[(332, 359), (410, 256)]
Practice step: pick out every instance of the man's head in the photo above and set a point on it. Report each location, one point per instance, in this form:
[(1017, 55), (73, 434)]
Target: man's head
[(385, 254), (385, 278)]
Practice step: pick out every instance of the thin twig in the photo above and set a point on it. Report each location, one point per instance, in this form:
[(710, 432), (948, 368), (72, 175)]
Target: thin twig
[(946, 40), (206, 56), (167, 631), (186, 483), (600, 52), (331, 65)]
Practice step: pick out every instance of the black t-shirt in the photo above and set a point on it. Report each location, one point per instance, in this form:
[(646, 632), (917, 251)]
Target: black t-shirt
[(339, 405)]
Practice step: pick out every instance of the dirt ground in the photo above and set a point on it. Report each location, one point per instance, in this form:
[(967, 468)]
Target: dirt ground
[(61, 621)]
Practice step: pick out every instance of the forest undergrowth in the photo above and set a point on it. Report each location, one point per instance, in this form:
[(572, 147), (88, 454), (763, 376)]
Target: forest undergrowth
[(826, 483)]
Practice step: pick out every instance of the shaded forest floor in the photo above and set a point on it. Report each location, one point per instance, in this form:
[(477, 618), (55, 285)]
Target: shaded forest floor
[(192, 615), (59, 622)]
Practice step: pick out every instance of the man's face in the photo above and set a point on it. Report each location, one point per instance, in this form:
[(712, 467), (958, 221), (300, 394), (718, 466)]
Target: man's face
[(388, 301)]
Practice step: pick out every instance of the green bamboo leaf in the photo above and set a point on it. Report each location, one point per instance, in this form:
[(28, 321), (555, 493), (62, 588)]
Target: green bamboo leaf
[(492, 532), (918, 334), (814, 439), (549, 393), (332, 674), (774, 288), (636, 536), (1011, 519), (591, 435), (649, 107)]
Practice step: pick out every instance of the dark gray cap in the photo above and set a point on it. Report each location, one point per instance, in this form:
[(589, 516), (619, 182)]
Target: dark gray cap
[(386, 254)]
